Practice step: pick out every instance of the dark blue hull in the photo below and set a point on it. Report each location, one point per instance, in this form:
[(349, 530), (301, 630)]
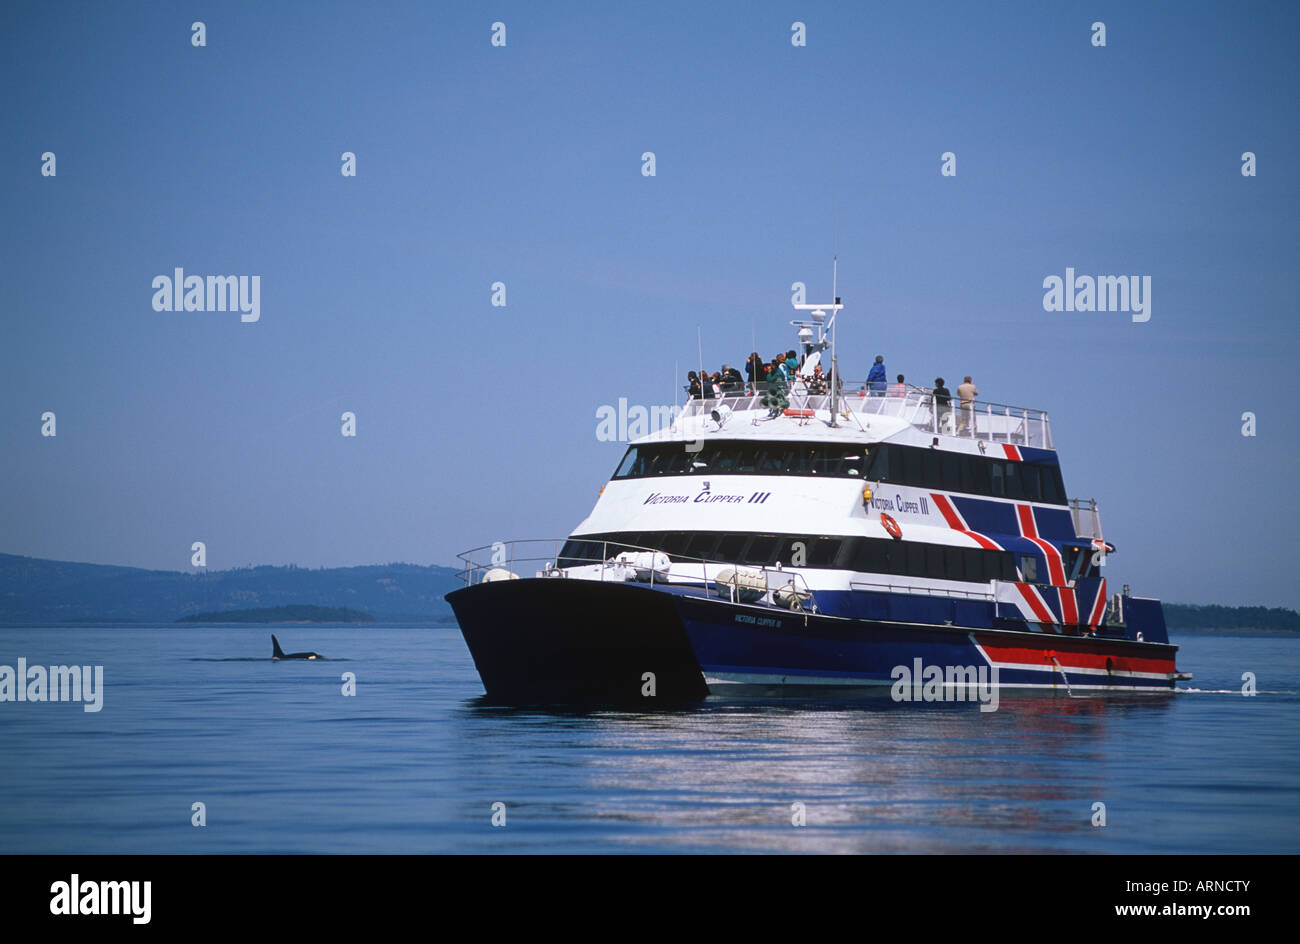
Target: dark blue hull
[(567, 640)]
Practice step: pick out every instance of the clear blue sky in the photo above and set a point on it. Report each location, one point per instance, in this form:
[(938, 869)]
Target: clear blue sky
[(523, 164)]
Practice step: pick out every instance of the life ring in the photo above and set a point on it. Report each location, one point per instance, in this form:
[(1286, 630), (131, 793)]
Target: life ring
[(891, 526)]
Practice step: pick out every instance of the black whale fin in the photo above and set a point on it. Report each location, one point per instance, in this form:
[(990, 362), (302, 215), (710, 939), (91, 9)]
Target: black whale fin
[(276, 651)]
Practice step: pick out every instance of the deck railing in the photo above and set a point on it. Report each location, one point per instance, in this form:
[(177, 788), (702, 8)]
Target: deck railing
[(1087, 518), (978, 420), (694, 576)]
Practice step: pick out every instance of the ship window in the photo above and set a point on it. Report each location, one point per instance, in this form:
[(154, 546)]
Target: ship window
[(823, 552), (730, 546), (900, 465), (1011, 480), (952, 563), (934, 560), (799, 461), (785, 550), (1053, 487), (880, 463), (950, 465), (912, 471), (1029, 568), (677, 461), (625, 467), (975, 475), (674, 543), (825, 462), (1071, 559), (701, 545), (773, 460), (915, 560), (570, 553), (931, 472), (762, 549), (1029, 482), (725, 460)]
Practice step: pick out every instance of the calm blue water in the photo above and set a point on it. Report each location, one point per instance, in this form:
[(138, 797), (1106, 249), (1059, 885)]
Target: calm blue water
[(413, 762)]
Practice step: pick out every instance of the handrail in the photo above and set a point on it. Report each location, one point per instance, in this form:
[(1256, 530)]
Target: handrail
[(475, 568), (978, 420), (919, 591)]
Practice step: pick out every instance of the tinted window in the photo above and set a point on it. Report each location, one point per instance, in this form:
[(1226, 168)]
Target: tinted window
[(730, 546), (1029, 482), (1011, 480), (762, 550), (884, 462)]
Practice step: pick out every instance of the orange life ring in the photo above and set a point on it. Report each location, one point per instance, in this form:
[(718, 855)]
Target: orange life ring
[(891, 526)]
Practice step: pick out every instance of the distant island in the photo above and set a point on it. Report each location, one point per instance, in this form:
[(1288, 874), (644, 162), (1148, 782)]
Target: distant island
[(38, 592), (1273, 619), (282, 614)]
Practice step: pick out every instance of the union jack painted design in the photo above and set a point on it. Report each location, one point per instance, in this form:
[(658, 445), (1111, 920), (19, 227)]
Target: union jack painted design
[(1057, 606), (955, 521)]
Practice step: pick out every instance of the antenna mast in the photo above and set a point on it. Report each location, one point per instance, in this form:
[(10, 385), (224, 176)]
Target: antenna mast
[(822, 326)]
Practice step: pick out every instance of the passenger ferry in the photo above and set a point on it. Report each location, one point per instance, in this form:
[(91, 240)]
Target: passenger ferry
[(850, 535)]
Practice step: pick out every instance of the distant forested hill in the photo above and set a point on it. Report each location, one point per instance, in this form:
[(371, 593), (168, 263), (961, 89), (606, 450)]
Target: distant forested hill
[(282, 614), (1187, 616), (37, 591)]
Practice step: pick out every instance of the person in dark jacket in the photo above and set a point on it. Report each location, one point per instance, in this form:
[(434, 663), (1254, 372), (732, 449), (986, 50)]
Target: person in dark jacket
[(775, 400), (732, 382), (693, 389), (754, 371), (942, 402), (876, 378)]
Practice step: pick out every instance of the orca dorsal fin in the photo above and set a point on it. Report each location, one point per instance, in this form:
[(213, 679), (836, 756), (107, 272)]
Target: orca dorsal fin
[(276, 651)]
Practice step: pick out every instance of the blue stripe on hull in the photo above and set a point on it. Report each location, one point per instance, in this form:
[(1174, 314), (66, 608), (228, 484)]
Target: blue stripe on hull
[(789, 647)]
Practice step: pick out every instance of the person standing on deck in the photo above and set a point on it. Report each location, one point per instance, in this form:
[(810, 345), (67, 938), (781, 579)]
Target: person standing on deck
[(775, 398), (899, 389), (966, 419), (817, 382), (942, 403), (876, 379)]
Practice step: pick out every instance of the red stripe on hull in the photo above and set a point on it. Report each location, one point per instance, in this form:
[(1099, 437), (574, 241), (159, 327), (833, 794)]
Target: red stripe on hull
[(1027, 654)]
